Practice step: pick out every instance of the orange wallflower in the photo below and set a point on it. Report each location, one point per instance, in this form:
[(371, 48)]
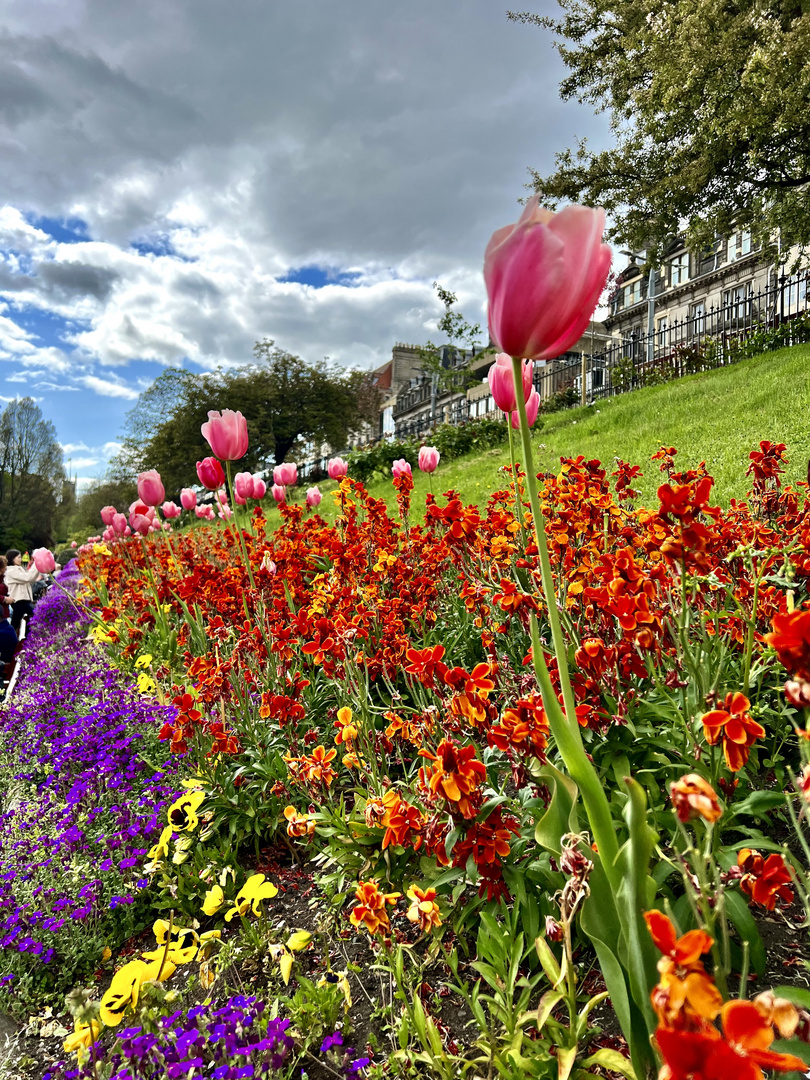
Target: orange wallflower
[(693, 797), (456, 775), (791, 639), (685, 994), (299, 825), (314, 768), (403, 822), (423, 910), (523, 726), (734, 725), (347, 728), (370, 910), (740, 1054), (764, 880)]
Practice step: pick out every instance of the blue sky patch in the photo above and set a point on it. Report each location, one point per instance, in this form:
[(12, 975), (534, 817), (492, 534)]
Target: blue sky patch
[(318, 276), (64, 230)]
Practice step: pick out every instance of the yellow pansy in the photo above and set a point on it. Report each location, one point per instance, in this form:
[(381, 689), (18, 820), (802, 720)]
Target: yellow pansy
[(145, 683), (123, 992), (144, 660), (182, 813), (84, 1035), (214, 899), (251, 895), (182, 944), (299, 940), (161, 848)]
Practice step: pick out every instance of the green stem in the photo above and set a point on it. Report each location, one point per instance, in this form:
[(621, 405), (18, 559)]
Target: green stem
[(518, 499), (238, 529), (563, 723)]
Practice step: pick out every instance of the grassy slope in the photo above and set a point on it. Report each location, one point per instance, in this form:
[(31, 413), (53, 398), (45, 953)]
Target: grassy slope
[(718, 416)]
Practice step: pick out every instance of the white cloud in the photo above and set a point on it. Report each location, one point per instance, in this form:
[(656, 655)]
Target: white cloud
[(107, 388)]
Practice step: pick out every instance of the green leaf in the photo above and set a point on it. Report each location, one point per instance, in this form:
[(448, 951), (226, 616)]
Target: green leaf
[(758, 803), (548, 1002), (611, 1060), (743, 921), (794, 994), (548, 960), (557, 819), (566, 1056)]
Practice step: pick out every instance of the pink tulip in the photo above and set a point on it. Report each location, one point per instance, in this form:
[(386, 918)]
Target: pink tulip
[(140, 523), (225, 512), (171, 510), (286, 474), (119, 524), (107, 514), (188, 499), (279, 493), (532, 409), (210, 473), (227, 434), (43, 560), (259, 487), (108, 534), (544, 276), (150, 488), (401, 468), (243, 487), (139, 507), (73, 544), (268, 564), (428, 458), (201, 511), (313, 497), (337, 468), (502, 382)]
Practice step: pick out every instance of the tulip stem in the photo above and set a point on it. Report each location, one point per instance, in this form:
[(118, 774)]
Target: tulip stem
[(515, 481), (238, 529)]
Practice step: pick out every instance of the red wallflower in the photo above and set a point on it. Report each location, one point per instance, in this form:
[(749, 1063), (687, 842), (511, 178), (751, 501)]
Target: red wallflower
[(765, 880), (736, 728), (791, 639), (455, 776)]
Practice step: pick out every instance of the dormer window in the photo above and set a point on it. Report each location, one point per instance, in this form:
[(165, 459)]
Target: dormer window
[(679, 269), (739, 245), (632, 292)]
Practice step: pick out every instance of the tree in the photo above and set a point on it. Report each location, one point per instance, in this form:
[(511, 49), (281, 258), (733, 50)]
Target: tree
[(709, 106), (32, 476), (460, 334), (288, 404)]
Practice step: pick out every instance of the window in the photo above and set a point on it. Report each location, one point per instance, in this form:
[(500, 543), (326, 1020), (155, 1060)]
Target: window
[(632, 293), (796, 292), (679, 269), (662, 330), (697, 318), (737, 302), (739, 245)]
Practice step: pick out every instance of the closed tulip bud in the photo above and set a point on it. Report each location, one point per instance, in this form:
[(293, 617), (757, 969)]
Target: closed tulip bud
[(532, 409), (259, 487), (225, 512), (150, 488), (337, 468), (401, 468), (210, 473), (201, 512), (188, 499), (286, 474), (44, 560), (279, 493), (428, 458), (313, 497), (502, 382), (226, 434), (119, 523), (109, 533), (107, 514), (74, 544), (171, 510), (544, 276), (243, 487)]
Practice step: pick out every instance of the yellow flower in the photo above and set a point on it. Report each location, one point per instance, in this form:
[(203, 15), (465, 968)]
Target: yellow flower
[(123, 992), (206, 940), (206, 976), (101, 549), (144, 660), (161, 848), (145, 683), (214, 899), (84, 1035), (183, 812), (182, 944), (181, 849), (299, 940), (341, 980), (250, 895), (106, 953)]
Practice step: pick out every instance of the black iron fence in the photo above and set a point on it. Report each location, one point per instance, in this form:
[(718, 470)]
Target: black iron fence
[(708, 337)]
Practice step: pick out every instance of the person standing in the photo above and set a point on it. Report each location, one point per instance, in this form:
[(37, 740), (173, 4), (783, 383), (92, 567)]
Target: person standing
[(4, 608), (19, 581)]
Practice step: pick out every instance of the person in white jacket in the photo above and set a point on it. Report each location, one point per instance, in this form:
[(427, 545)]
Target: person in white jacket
[(19, 580)]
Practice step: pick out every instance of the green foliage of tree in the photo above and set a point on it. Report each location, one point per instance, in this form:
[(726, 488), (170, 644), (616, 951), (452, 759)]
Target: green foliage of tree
[(709, 102), (32, 476), (288, 403), (85, 518), (460, 336)]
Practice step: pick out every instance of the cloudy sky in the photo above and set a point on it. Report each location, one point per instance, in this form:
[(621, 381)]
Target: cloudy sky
[(183, 177)]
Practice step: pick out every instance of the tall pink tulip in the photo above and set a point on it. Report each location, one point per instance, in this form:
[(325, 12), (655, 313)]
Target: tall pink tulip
[(532, 409), (43, 560), (313, 497), (544, 276), (188, 499), (428, 458), (259, 487), (243, 487), (150, 488), (210, 473), (502, 382), (107, 514), (140, 507), (286, 474), (279, 493), (337, 468), (119, 524), (227, 434), (171, 510), (73, 544), (401, 468), (140, 523)]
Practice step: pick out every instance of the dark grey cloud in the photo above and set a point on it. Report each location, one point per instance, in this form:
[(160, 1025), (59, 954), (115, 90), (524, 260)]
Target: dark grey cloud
[(75, 279)]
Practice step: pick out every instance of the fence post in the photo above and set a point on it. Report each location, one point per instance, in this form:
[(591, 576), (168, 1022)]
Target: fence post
[(584, 392)]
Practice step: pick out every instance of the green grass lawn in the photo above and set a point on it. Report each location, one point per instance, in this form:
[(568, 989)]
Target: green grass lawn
[(717, 417)]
